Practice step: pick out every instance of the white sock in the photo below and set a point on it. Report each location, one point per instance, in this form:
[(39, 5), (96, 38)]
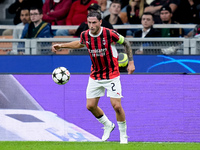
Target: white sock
[(105, 121), (122, 127)]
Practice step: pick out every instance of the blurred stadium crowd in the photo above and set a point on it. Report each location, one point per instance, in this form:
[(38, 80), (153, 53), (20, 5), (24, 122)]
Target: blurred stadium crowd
[(31, 23)]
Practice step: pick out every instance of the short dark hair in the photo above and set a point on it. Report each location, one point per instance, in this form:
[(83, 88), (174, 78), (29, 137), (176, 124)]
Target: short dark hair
[(116, 1), (95, 14), (24, 8), (36, 8), (148, 13)]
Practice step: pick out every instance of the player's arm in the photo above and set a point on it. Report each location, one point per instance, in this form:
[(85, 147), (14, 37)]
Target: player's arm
[(128, 49), (70, 45)]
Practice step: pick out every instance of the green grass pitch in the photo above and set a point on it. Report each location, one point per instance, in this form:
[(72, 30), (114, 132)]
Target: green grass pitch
[(32, 145)]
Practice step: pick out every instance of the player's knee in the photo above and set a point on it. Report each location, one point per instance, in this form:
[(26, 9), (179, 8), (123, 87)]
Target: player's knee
[(90, 107), (117, 107)]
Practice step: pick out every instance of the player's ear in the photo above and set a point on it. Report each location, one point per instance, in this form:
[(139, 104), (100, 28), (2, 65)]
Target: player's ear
[(100, 21)]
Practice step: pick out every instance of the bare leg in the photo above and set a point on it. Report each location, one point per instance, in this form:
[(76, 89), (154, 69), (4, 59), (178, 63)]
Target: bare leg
[(121, 121), (116, 103), (92, 105)]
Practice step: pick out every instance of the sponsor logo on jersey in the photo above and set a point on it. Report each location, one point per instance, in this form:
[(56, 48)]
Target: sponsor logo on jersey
[(98, 52)]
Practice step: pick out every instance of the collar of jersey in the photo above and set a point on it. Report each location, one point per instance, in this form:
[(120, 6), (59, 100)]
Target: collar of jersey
[(97, 34)]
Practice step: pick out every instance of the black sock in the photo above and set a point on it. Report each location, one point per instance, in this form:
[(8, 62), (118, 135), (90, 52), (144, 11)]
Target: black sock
[(99, 117)]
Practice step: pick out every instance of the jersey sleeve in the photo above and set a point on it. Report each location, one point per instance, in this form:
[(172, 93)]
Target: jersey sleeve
[(82, 38), (116, 37)]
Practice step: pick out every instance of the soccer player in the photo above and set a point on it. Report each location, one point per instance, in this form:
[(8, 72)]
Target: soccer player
[(104, 71)]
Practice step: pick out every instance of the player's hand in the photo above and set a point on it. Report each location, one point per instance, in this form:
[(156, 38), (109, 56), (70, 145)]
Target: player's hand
[(131, 67), (56, 47)]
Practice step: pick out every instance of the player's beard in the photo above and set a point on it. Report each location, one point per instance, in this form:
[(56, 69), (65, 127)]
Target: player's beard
[(95, 32), (24, 21)]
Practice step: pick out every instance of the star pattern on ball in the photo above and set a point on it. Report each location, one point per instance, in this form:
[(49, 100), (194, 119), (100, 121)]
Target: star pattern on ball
[(61, 75)]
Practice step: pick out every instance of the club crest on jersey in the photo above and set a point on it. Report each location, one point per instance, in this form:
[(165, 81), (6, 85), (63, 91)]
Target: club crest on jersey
[(104, 41)]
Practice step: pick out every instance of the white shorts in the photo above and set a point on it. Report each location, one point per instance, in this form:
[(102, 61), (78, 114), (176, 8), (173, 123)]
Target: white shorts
[(96, 88)]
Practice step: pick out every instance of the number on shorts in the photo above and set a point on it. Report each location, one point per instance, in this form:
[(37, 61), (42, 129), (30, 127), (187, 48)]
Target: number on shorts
[(113, 85)]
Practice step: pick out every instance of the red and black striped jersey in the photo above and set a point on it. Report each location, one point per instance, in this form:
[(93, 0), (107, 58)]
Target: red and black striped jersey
[(103, 53)]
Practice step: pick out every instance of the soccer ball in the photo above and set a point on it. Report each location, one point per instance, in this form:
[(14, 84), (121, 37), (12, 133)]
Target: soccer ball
[(61, 75)]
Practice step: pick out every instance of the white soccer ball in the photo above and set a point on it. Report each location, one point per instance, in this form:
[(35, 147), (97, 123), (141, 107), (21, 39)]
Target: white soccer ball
[(61, 75)]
